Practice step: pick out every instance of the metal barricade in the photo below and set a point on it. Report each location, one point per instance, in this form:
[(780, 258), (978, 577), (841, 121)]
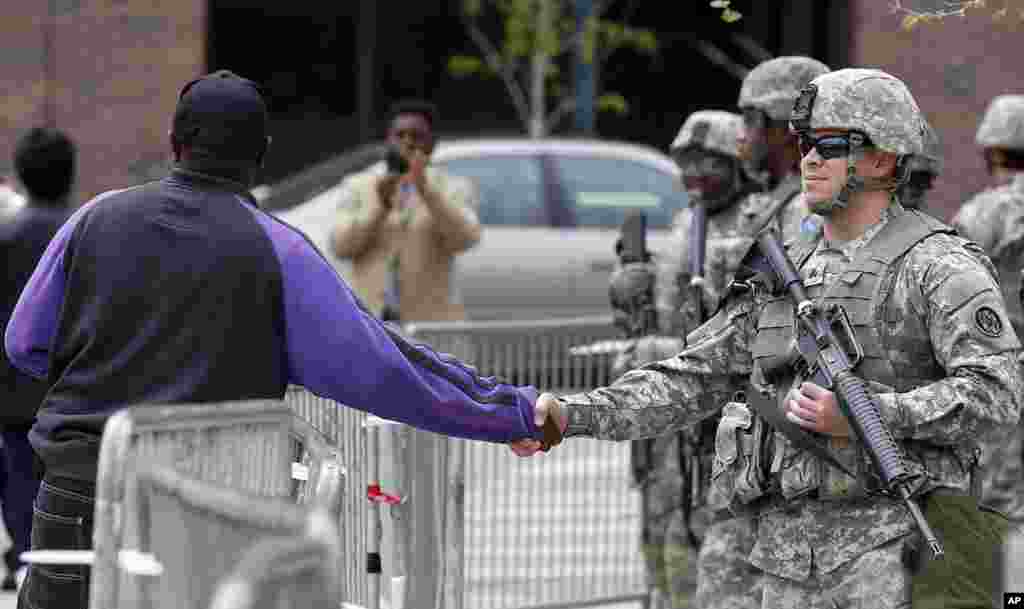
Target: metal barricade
[(359, 518), (559, 530)]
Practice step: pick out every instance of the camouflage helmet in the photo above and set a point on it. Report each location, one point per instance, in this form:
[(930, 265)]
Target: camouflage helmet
[(1003, 124), (713, 130), (931, 161), (870, 101), (774, 85)]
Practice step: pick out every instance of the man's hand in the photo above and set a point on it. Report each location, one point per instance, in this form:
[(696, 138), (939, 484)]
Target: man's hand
[(816, 409), (386, 185), (546, 416)]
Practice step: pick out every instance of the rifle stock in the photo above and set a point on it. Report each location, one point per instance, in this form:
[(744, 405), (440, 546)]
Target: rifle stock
[(825, 339)]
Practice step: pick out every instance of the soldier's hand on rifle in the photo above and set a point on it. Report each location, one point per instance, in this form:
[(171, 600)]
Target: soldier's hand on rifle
[(548, 417), (815, 409)]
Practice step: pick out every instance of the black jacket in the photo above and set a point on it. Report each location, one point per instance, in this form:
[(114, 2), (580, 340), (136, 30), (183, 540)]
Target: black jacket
[(22, 242)]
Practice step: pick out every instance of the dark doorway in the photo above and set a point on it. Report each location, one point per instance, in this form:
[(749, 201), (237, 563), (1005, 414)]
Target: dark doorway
[(302, 54)]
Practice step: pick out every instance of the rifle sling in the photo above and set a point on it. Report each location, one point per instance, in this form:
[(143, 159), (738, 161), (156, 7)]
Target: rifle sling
[(767, 408)]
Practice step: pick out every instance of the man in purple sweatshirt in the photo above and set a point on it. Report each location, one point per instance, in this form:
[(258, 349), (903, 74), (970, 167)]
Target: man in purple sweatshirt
[(181, 290)]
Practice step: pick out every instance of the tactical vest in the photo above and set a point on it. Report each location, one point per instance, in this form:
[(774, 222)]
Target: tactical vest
[(862, 288)]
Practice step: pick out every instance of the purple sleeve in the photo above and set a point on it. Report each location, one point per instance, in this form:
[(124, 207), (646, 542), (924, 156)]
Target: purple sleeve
[(338, 350), (30, 332)]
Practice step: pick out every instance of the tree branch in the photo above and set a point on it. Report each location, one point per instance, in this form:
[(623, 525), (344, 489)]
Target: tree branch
[(565, 107), (603, 54), (504, 71), (716, 56), (752, 47)]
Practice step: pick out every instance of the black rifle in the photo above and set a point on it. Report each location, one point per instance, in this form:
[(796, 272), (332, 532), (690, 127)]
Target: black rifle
[(698, 249), (633, 293), (689, 442), (825, 340)]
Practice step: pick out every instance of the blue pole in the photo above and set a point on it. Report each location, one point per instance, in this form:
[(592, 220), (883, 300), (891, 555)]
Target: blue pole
[(585, 82)]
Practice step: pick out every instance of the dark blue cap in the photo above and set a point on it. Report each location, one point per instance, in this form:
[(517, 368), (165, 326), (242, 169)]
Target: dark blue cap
[(223, 116)]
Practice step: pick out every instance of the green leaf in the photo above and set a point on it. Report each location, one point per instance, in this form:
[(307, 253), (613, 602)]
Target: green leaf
[(461, 66), (612, 102), (731, 16), (645, 40)]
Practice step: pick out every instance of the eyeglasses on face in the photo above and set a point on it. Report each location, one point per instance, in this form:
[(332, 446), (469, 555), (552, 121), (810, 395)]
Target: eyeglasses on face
[(828, 146)]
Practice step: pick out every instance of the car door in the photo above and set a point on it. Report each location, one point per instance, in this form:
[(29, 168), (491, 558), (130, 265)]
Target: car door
[(519, 268), (598, 191)]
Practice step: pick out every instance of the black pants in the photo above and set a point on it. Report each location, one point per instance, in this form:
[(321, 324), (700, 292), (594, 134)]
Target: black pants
[(18, 487), (62, 520)]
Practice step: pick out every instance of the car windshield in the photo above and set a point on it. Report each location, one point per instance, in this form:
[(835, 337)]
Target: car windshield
[(601, 190), (511, 188)]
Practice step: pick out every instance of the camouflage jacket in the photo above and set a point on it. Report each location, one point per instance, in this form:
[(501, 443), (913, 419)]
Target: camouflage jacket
[(994, 219), (937, 290)]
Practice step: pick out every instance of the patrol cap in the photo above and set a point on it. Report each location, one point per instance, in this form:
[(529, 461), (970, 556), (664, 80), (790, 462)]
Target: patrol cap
[(223, 116), (1003, 124)]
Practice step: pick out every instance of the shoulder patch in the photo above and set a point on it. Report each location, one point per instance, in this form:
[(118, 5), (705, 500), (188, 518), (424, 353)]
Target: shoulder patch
[(988, 321)]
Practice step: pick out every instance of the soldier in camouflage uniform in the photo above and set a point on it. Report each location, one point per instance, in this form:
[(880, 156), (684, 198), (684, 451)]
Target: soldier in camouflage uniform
[(706, 151), (939, 353), (767, 148), (994, 219)]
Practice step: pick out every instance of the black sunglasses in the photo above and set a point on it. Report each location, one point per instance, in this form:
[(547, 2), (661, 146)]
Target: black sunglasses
[(828, 146)]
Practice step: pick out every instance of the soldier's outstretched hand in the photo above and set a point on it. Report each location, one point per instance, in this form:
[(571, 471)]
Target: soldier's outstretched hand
[(547, 417)]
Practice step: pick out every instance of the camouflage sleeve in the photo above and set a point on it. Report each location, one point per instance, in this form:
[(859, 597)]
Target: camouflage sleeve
[(972, 340), (665, 396)]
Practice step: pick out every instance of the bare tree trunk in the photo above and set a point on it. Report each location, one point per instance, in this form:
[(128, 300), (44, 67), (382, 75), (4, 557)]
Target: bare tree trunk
[(538, 69)]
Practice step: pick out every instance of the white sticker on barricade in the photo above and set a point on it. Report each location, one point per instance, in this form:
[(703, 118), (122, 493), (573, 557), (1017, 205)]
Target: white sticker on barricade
[(300, 472), (375, 421)]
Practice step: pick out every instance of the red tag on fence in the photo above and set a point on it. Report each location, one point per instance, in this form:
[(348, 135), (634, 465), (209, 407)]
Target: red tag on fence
[(375, 495)]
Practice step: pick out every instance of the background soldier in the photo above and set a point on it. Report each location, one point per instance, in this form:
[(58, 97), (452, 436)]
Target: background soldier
[(994, 219), (725, 579), (937, 350), (766, 144), (706, 151)]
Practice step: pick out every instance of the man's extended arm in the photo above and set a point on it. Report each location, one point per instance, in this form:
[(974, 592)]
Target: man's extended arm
[(336, 349), (665, 396)]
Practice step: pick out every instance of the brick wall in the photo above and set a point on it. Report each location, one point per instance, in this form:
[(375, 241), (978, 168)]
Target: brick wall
[(118, 65), (953, 68)]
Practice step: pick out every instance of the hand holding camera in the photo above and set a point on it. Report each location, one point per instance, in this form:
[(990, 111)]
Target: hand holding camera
[(405, 165)]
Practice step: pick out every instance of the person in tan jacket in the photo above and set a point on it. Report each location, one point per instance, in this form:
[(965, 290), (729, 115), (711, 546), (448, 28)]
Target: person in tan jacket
[(403, 231)]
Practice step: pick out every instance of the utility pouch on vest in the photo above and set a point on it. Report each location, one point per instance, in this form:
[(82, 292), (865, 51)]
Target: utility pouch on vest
[(737, 475), (972, 536)]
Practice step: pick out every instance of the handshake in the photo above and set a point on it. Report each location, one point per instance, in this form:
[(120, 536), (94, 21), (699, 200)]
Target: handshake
[(548, 417)]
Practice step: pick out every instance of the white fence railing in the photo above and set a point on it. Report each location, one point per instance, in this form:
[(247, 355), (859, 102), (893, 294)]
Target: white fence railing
[(558, 530)]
